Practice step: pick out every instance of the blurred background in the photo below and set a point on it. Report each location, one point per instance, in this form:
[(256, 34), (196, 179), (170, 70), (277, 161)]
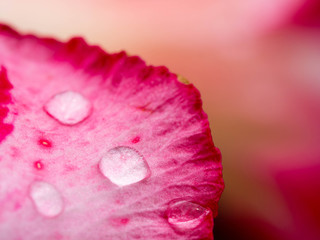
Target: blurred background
[(257, 66)]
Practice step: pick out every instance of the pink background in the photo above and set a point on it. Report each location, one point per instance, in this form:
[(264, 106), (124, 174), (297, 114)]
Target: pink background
[(257, 65)]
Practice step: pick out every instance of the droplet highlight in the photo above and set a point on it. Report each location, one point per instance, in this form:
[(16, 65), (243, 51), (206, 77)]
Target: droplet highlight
[(68, 107), (46, 199), (185, 215), (124, 166)]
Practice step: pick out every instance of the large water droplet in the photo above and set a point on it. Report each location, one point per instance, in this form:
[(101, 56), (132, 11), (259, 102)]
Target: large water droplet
[(124, 166), (184, 215), (46, 199), (68, 107)]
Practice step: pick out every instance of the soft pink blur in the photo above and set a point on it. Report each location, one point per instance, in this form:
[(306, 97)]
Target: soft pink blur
[(257, 65)]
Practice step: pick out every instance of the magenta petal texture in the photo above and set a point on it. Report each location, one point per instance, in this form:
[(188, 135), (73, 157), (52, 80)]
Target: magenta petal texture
[(100, 146)]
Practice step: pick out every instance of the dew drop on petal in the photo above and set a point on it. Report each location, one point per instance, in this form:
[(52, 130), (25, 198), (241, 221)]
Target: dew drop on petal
[(38, 165), (184, 215), (136, 140), (124, 166), (68, 107), (46, 199), (45, 143)]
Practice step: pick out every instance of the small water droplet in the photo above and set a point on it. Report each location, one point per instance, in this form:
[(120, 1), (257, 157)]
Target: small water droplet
[(68, 107), (136, 139), (46, 199), (38, 165), (124, 166), (184, 215), (45, 143)]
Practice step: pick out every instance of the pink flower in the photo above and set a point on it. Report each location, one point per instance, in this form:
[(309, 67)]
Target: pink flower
[(97, 145)]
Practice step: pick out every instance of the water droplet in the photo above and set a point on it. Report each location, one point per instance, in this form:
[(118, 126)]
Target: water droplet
[(136, 140), (38, 165), (184, 215), (46, 199), (68, 107), (45, 143), (124, 166)]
